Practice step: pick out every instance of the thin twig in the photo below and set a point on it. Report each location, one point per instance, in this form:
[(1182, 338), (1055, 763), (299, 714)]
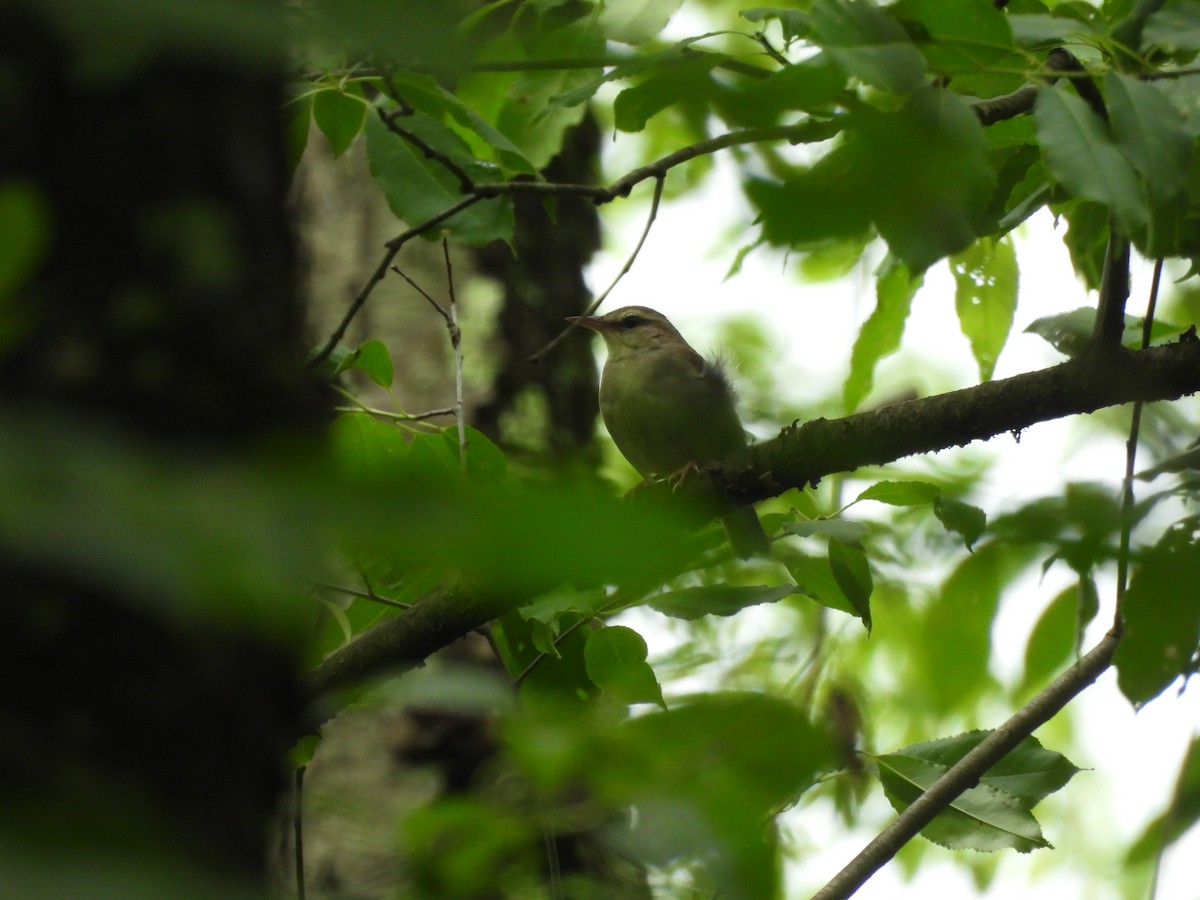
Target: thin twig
[(1127, 498), (456, 343), (364, 595), (968, 770), (658, 189), (391, 248), (298, 832), (465, 182), (399, 417)]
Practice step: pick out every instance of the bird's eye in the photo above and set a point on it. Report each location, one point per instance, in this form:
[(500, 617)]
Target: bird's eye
[(632, 321)]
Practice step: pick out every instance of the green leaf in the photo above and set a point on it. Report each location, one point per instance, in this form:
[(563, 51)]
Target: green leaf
[(636, 21), (717, 599), (963, 519), (793, 22), (864, 41), (615, 657), (1161, 616), (689, 80), (1150, 132), (901, 493), (373, 358), (1035, 30), (814, 579), (845, 530), (486, 463), (340, 115), (848, 563), (985, 298), (1028, 772), (967, 41), (1070, 332), (923, 172), (1175, 27), (880, 335), (980, 818), (1081, 153), (1052, 640), (25, 224), (367, 448), (418, 188), (298, 111), (704, 778), (1182, 813)]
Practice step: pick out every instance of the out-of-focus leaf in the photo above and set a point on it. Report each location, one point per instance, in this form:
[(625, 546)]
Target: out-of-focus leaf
[(901, 493), (636, 21), (705, 775), (418, 188), (848, 562), (1036, 30), (25, 224), (485, 462), (690, 80), (616, 661), (1052, 640), (923, 173), (295, 137), (1161, 615), (967, 42), (794, 22), (1070, 332), (1174, 27), (340, 115), (880, 335), (717, 599), (963, 519), (980, 818), (846, 530), (373, 358), (985, 298), (814, 578), (867, 43), (1182, 813), (1080, 152)]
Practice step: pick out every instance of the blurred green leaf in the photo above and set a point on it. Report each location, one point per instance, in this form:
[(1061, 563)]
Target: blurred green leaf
[(717, 599), (985, 298), (616, 662), (688, 81), (25, 224), (869, 44), (901, 493), (1080, 152), (1161, 616), (846, 530), (418, 188), (340, 114), (848, 562), (373, 358), (1174, 27), (636, 21), (924, 174), (1052, 640), (1070, 332), (794, 22), (880, 335), (963, 519), (1182, 813)]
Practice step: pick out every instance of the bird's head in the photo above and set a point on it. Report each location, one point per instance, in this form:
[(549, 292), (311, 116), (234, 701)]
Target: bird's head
[(633, 330)]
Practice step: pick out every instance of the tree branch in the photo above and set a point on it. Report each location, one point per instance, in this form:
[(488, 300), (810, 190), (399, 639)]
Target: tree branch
[(803, 454), (968, 770)]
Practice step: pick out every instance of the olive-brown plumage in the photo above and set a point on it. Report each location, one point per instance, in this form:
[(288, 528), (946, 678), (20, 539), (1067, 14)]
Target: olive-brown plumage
[(668, 407)]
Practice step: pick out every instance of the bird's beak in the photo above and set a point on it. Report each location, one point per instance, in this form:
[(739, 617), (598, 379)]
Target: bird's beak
[(595, 323)]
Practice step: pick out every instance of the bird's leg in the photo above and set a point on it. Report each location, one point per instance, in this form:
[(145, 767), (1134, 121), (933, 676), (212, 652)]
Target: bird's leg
[(676, 479)]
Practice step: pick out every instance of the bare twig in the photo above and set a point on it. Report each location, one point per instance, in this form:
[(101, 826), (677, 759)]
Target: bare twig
[(364, 595), (392, 247), (1127, 498), (399, 417), (456, 343), (658, 189)]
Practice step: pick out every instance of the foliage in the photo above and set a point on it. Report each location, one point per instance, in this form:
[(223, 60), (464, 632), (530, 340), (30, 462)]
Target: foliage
[(907, 131)]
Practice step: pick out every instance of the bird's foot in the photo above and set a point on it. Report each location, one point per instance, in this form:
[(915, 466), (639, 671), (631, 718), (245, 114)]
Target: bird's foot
[(676, 479)]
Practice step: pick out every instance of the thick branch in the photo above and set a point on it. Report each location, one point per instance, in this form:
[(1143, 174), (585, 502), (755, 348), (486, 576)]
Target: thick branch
[(406, 640), (802, 454), (968, 770)]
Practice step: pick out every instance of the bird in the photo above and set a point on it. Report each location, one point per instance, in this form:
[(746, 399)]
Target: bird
[(668, 409)]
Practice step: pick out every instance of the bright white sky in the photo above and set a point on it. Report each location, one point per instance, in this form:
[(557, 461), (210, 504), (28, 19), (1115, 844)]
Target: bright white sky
[(1134, 757)]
